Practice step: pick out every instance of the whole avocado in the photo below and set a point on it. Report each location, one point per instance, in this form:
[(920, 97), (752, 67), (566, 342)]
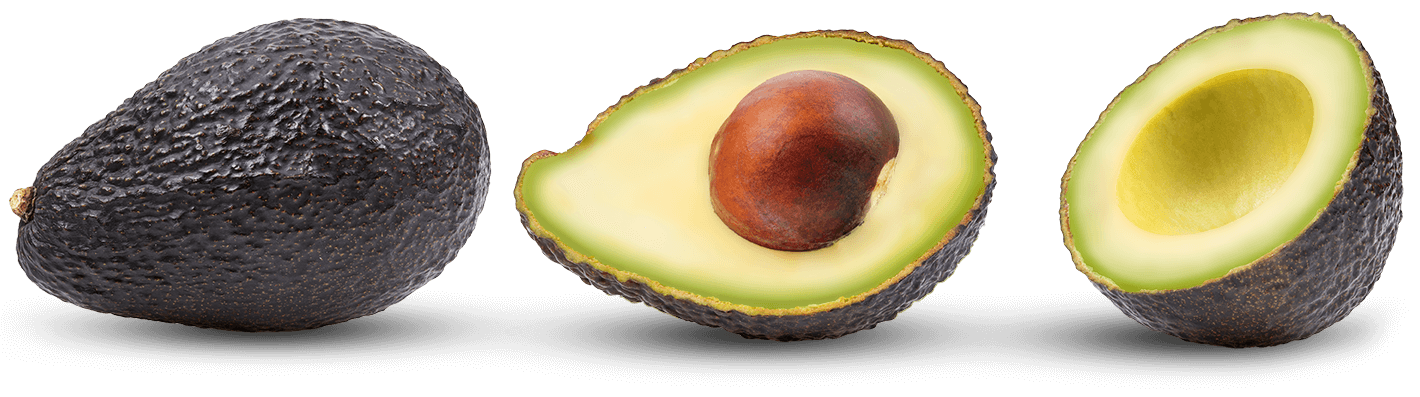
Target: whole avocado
[(299, 174)]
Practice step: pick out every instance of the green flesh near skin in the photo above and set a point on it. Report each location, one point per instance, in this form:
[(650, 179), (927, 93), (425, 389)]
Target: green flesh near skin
[(634, 194)]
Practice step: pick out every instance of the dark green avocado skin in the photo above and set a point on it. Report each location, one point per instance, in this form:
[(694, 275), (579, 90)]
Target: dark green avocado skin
[(1308, 284), (295, 175)]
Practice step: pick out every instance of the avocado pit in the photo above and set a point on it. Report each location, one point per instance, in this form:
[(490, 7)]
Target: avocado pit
[(796, 165)]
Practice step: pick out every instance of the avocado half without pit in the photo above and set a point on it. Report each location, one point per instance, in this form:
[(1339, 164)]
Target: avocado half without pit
[(789, 188), (1246, 190), (295, 175)]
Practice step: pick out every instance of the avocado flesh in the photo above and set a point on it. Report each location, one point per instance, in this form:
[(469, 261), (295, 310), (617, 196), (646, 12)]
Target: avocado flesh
[(1221, 154), (1215, 153), (634, 194)]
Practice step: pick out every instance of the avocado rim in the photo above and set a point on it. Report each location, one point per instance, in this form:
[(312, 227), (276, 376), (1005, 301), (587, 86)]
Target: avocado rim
[(1343, 248), (685, 304)]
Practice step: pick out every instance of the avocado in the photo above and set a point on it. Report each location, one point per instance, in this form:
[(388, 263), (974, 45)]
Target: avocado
[(857, 166), (295, 175), (1245, 191)]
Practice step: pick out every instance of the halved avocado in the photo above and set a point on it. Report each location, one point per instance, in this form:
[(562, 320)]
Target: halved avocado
[(628, 209), (1245, 191)]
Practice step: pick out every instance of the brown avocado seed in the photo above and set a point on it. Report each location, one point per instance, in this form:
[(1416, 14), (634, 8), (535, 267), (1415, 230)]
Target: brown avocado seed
[(795, 166)]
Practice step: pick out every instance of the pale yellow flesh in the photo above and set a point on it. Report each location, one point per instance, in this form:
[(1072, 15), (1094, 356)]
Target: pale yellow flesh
[(634, 195), (1225, 151), (1216, 153)]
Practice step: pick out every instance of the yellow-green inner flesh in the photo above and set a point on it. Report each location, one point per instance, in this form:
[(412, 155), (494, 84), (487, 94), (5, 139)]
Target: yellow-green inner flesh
[(1216, 152), (1224, 152), (634, 194)]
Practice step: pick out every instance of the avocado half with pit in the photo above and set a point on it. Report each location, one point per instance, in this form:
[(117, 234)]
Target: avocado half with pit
[(796, 187), (1245, 191)]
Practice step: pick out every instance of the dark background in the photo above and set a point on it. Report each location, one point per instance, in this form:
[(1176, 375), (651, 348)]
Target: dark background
[(1017, 302)]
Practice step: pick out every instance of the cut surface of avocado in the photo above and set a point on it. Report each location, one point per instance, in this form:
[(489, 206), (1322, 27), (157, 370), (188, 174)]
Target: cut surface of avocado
[(1221, 153), (1245, 191), (633, 196), (1216, 152)]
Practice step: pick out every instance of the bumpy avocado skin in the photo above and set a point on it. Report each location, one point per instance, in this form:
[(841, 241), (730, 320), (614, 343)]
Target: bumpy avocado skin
[(1309, 283), (295, 175), (830, 324)]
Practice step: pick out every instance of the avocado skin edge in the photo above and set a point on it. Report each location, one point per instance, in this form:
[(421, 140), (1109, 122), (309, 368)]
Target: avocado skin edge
[(830, 324), (295, 175), (1312, 281)]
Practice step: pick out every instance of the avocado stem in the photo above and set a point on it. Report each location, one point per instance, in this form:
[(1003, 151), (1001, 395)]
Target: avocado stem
[(21, 202)]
